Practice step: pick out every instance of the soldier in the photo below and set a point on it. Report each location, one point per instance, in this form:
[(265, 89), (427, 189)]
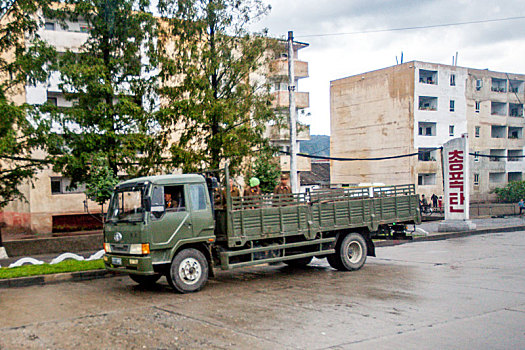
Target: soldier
[(252, 190), (283, 191), (283, 187), (234, 191)]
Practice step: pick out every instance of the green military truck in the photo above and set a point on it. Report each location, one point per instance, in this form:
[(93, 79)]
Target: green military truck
[(172, 225)]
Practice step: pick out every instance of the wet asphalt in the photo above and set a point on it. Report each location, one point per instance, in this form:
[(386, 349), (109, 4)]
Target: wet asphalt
[(466, 293)]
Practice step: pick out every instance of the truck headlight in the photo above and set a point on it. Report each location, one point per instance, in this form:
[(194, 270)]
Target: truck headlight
[(139, 249), (107, 247)]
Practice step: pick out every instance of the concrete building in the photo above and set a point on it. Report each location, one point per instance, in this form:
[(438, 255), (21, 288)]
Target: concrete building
[(415, 107), (50, 206)]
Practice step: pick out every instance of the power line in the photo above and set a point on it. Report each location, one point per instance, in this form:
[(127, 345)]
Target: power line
[(414, 27)]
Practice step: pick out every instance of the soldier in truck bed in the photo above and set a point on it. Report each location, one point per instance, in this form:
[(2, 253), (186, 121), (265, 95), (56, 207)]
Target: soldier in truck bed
[(283, 187)]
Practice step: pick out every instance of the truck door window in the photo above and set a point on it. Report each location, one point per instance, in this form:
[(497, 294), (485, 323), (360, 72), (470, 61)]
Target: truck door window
[(174, 199), (157, 201), (198, 197)]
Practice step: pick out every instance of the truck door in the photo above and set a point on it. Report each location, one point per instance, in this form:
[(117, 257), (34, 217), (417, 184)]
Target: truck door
[(170, 218), (202, 219)]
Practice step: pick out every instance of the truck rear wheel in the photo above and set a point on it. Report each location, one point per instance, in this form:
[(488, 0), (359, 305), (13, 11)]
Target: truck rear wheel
[(188, 271), (145, 280), (350, 254), (301, 262)]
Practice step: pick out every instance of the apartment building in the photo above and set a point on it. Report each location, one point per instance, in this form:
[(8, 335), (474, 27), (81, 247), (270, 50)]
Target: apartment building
[(49, 204), (416, 107), (279, 135)]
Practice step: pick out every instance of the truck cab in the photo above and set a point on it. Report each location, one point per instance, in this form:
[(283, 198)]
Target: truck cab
[(149, 219)]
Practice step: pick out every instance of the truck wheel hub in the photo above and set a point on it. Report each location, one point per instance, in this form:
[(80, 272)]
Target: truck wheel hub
[(190, 271), (354, 252)]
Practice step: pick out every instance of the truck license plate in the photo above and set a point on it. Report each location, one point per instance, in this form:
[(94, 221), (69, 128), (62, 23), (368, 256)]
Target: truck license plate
[(116, 261)]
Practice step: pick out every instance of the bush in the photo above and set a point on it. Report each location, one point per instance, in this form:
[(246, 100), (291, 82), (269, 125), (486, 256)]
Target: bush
[(512, 192)]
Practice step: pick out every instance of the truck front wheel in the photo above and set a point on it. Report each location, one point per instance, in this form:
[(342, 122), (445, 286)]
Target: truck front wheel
[(188, 271), (350, 254)]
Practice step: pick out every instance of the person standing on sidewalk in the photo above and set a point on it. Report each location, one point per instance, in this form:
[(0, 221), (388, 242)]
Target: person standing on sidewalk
[(521, 205), (434, 200)]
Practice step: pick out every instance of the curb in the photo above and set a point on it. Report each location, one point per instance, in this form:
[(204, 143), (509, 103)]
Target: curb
[(447, 235), (97, 274), (55, 278)]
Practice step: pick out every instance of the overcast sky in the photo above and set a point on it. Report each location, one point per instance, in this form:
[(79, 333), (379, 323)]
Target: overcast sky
[(498, 46)]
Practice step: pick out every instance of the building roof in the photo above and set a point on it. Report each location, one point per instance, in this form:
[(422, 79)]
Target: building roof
[(319, 175)]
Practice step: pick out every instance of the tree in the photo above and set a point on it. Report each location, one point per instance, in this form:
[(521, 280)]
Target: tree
[(22, 60), (514, 191), (110, 83), (266, 169), (101, 182), (217, 99)]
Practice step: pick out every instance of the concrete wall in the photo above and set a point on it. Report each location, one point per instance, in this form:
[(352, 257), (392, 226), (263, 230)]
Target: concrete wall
[(372, 115)]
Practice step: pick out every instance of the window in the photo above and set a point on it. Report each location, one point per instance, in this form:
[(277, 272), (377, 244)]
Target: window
[(498, 131), (476, 179), (426, 179), (49, 26), (478, 106), (479, 84), (451, 130), (499, 85), (476, 132), (61, 185), (452, 80), (198, 197), (174, 198), (452, 103), (498, 108), (426, 154), (476, 156), (427, 129), (52, 100)]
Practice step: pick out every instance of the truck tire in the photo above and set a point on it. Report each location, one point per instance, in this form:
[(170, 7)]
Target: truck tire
[(188, 271), (350, 254), (301, 262), (145, 280)]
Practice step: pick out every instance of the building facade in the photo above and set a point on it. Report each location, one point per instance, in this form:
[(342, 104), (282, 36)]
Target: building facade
[(416, 107)]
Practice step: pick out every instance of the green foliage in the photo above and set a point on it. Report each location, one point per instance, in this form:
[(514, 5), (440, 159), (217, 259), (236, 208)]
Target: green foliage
[(101, 182), (216, 104), (267, 170), (22, 61), (512, 192), (47, 269), (110, 82)]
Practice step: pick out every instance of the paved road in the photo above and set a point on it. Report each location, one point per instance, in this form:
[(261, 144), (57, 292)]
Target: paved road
[(464, 293)]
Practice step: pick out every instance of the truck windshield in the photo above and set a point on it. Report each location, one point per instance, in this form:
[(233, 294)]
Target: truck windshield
[(127, 204)]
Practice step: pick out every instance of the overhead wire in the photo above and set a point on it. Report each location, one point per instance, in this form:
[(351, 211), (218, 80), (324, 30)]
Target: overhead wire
[(412, 27)]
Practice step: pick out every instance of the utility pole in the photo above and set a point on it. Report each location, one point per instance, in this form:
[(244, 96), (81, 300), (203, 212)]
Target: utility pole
[(293, 116)]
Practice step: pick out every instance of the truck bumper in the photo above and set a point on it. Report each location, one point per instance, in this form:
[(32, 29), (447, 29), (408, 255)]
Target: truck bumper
[(138, 265)]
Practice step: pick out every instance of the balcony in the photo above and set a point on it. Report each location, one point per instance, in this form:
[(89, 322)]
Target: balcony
[(303, 164), (279, 133), (428, 103), (498, 108), (497, 155), (279, 68), (428, 76), (516, 86), (516, 110), (280, 99), (499, 85), (498, 132), (64, 40), (515, 132)]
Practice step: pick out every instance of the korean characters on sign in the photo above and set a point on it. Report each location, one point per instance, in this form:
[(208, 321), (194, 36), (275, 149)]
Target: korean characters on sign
[(456, 181)]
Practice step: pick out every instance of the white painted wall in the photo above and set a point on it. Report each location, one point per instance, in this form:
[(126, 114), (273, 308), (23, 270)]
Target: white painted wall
[(444, 92)]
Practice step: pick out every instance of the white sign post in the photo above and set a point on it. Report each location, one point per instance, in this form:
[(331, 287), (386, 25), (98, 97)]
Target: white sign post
[(457, 186)]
